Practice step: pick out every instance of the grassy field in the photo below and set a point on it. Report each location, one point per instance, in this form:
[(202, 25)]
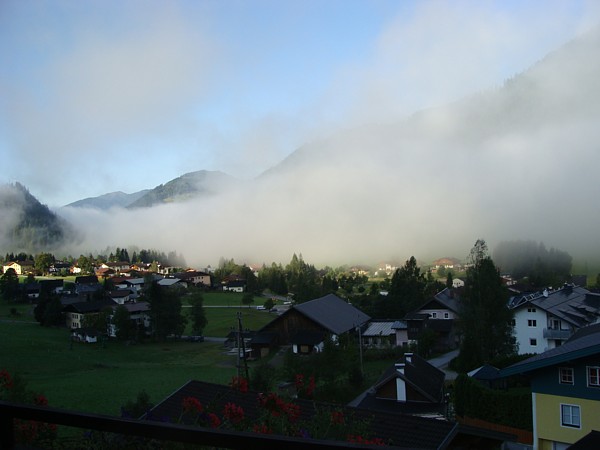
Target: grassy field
[(71, 376), (100, 378), (220, 320)]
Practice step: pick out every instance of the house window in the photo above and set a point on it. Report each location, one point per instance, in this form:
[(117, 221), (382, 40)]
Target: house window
[(434, 315), (533, 342), (446, 315), (531, 310), (593, 373), (570, 416), (532, 323), (565, 375)]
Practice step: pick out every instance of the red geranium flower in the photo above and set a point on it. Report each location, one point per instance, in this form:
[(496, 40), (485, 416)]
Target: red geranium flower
[(192, 404), (239, 384), (234, 413), (214, 420)]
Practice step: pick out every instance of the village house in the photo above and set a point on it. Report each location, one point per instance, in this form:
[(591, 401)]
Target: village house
[(565, 390), (194, 277), (412, 386), (234, 285), (57, 267), (20, 267), (134, 285), (385, 333), (305, 326), (117, 266), (438, 314), (139, 314), (120, 296), (88, 335), (76, 314), (546, 319)]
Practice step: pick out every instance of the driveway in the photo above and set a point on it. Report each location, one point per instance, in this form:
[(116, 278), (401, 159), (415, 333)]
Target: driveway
[(441, 362)]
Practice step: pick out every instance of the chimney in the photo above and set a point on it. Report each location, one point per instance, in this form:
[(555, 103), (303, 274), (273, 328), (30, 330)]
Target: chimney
[(400, 367), (408, 358), (545, 293)]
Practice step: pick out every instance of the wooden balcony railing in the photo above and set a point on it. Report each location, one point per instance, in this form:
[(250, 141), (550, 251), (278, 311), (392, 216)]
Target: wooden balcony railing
[(154, 430)]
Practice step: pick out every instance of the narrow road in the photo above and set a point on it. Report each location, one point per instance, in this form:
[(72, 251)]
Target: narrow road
[(441, 362)]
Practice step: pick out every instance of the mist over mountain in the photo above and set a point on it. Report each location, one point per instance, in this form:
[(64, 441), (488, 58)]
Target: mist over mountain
[(27, 225), (516, 162)]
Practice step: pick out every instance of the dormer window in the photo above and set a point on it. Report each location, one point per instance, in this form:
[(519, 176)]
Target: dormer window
[(565, 375)]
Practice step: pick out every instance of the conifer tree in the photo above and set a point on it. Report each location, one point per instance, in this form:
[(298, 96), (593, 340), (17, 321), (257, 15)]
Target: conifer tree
[(485, 319)]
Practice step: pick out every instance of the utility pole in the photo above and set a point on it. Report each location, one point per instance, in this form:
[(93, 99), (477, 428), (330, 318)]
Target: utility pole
[(360, 350), (242, 344)]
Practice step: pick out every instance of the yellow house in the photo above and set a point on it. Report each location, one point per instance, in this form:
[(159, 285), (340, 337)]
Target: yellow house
[(565, 390), (20, 267)]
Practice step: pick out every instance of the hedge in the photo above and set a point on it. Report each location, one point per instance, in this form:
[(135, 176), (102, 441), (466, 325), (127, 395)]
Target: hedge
[(505, 407)]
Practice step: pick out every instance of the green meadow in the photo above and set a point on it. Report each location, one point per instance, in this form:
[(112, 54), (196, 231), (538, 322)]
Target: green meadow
[(99, 377)]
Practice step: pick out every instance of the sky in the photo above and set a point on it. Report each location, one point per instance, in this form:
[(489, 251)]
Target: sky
[(104, 96)]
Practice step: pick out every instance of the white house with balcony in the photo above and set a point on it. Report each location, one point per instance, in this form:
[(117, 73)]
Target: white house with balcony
[(545, 320)]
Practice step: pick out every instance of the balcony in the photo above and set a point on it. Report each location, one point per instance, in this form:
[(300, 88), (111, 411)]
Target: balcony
[(155, 430), (562, 335)]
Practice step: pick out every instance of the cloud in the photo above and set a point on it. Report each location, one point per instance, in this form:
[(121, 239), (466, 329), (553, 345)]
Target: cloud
[(436, 52), (502, 163), (110, 90)]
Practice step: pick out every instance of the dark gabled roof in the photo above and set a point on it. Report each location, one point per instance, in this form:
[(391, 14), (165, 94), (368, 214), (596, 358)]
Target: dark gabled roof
[(88, 307), (303, 337), (190, 274), (400, 430), (573, 304), (585, 342), (332, 313), (590, 441), (485, 373), (418, 373), (136, 307), (86, 279), (446, 298)]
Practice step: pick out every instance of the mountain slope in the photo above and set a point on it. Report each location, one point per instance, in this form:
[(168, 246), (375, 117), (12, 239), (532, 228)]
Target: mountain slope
[(26, 224), (110, 200), (186, 187)]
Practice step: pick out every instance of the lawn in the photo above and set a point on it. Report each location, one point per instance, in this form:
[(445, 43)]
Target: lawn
[(221, 320), (72, 376), (98, 378)]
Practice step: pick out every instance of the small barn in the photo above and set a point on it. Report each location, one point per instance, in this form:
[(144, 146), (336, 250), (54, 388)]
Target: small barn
[(329, 315)]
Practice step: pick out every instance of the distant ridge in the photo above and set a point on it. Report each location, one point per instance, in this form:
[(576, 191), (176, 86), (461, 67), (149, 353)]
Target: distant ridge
[(185, 187), (110, 200)]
